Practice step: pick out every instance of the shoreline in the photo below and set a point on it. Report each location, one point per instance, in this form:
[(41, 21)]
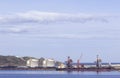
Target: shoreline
[(64, 69)]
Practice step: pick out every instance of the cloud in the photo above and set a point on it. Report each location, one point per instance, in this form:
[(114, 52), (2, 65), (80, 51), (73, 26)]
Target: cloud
[(73, 36), (13, 23), (30, 35), (12, 30), (48, 17)]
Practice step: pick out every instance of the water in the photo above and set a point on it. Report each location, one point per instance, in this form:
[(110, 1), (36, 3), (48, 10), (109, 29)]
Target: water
[(57, 74)]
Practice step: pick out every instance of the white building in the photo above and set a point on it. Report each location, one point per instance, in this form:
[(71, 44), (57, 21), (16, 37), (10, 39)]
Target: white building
[(32, 62), (49, 63), (62, 66)]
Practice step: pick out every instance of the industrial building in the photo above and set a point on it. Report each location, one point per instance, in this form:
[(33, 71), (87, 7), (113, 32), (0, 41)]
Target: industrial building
[(32, 63), (49, 63)]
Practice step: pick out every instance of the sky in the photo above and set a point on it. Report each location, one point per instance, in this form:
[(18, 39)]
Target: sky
[(60, 28)]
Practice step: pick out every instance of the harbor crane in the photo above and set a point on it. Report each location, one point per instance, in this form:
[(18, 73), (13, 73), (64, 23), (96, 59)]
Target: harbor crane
[(78, 61)]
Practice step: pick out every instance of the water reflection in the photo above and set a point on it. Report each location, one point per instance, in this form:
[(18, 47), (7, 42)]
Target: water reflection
[(58, 72)]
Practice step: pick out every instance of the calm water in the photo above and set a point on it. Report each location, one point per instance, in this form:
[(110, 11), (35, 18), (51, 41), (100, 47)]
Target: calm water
[(57, 74)]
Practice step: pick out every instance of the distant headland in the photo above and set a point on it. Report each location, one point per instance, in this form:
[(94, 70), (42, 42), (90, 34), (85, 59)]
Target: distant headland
[(32, 63)]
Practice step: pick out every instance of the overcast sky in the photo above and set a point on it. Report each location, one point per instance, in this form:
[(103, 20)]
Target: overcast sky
[(60, 28)]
